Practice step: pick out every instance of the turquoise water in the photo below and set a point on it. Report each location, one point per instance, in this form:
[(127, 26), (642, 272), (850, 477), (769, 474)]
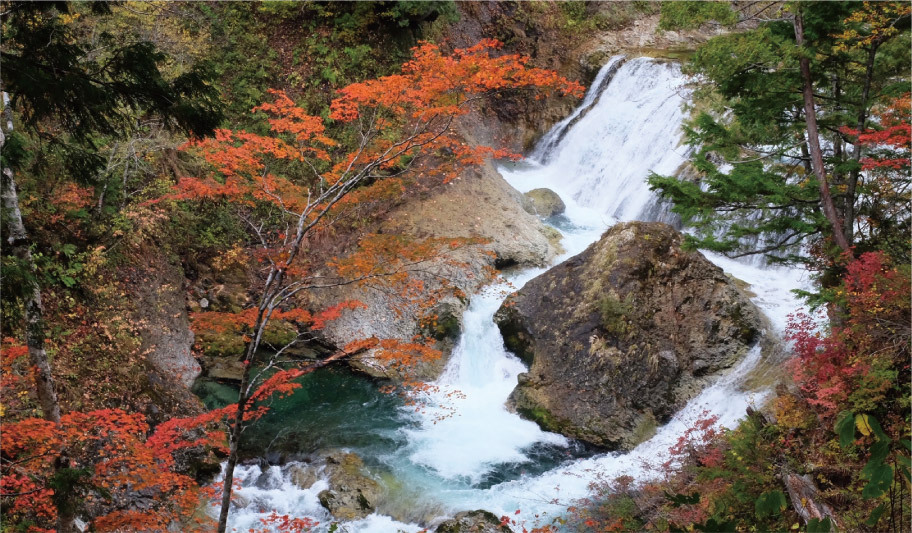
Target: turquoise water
[(334, 408), (339, 408)]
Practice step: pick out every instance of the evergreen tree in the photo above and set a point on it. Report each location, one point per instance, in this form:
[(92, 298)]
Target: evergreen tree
[(774, 165)]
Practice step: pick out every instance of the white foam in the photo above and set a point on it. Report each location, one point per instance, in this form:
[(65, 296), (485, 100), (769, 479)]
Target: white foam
[(599, 167)]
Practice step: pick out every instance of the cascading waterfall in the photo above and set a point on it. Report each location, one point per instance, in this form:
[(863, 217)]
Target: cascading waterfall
[(545, 147), (468, 452)]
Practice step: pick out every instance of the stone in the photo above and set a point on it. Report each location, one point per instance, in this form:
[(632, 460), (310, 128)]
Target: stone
[(302, 475), (621, 336), (480, 203), (479, 521), (352, 493), (543, 202)]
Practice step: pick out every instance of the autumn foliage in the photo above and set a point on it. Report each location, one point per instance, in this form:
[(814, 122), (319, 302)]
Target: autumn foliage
[(413, 110), (101, 460), (860, 361), (382, 137), (288, 187)]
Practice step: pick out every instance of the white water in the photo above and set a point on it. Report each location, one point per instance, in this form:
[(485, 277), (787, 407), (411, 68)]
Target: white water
[(598, 165)]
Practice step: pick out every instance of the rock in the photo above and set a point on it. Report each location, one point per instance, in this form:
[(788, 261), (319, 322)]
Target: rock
[(352, 493), (302, 475), (239, 501), (223, 368), (165, 331), (478, 204), (619, 337), (543, 202), (202, 462), (479, 521)]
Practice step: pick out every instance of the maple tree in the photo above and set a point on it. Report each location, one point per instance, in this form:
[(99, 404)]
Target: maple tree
[(402, 126)]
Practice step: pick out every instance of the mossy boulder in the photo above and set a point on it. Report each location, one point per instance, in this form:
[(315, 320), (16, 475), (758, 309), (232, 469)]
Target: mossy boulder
[(221, 350), (543, 202), (619, 337), (479, 521), (352, 492)]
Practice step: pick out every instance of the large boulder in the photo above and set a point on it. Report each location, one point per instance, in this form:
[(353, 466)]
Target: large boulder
[(352, 492), (543, 202), (473, 522), (619, 337)]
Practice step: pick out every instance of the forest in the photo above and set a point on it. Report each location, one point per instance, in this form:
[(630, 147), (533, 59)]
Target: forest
[(382, 266)]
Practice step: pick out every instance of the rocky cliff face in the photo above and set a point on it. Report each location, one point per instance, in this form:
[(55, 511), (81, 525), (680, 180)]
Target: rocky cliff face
[(166, 337), (478, 204), (619, 337)]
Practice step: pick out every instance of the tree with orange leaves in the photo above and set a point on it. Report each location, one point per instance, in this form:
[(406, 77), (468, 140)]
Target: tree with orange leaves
[(289, 184)]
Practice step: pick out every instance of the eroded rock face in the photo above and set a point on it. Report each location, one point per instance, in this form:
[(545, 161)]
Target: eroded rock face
[(473, 522), (479, 204), (543, 202), (166, 335), (619, 337)]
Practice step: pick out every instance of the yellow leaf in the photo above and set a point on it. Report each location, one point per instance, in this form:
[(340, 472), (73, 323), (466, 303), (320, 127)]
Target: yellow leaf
[(861, 422)]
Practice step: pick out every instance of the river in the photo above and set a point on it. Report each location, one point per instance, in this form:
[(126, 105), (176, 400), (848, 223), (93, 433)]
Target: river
[(467, 451)]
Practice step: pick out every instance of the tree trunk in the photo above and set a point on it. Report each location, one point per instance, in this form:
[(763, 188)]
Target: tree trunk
[(852, 184), (17, 239), (806, 499), (810, 116), (234, 441)]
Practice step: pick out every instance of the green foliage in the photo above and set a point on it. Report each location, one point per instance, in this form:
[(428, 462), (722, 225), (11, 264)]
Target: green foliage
[(67, 482), (817, 525), (582, 17), (878, 472), (770, 503), (63, 268), (685, 15), (678, 500), (405, 13), (15, 151), (51, 72), (752, 190), (616, 313), (715, 525)]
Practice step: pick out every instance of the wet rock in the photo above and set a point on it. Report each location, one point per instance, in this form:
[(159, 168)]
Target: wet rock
[(352, 493), (480, 204), (479, 521), (302, 475), (619, 337), (543, 202)]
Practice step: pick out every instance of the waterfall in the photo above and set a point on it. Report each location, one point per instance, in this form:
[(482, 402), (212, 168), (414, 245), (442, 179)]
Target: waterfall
[(630, 130), (545, 147), (465, 450)]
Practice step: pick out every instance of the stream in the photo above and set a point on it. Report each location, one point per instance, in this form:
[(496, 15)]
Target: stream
[(466, 451)]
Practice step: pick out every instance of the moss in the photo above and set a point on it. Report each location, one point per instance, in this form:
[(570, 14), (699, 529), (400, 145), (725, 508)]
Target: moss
[(742, 285), (747, 332), (554, 237), (444, 328), (220, 344), (279, 333), (645, 429), (681, 54), (616, 313), (544, 418)]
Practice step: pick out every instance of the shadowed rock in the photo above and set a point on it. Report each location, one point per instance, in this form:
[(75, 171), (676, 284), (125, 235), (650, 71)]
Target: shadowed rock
[(619, 337)]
